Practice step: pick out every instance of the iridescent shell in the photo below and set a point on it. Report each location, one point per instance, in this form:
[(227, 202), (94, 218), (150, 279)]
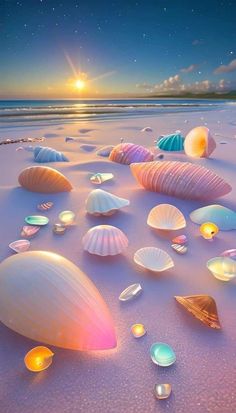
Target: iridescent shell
[(56, 303), (101, 202), (180, 239), (99, 178), (208, 230), (127, 153), (153, 259), (105, 240), (162, 391), (37, 220), (199, 143), (45, 206), (166, 217), (180, 179), (21, 245), (38, 358), (44, 179), (130, 292), (202, 307), (29, 230), (173, 142), (162, 354), (223, 217), (223, 268), (180, 249), (46, 154)]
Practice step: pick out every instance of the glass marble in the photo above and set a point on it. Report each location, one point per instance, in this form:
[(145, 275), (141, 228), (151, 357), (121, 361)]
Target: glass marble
[(138, 330), (208, 230), (162, 391), (162, 354), (38, 359), (67, 217), (38, 220), (130, 292)]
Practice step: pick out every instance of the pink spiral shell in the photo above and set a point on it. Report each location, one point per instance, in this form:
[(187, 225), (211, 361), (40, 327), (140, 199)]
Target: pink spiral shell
[(127, 153)]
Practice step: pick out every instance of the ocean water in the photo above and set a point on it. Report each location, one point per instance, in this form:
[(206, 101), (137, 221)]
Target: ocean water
[(31, 112)]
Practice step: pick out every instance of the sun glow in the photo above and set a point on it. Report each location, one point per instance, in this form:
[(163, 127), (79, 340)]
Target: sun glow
[(80, 84)]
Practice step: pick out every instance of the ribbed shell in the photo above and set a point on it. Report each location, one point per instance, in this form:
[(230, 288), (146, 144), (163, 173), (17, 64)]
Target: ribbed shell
[(127, 153), (105, 240), (166, 217), (199, 143), (47, 298), (180, 179), (44, 179), (173, 142), (46, 154), (221, 216), (223, 268), (153, 259), (101, 202)]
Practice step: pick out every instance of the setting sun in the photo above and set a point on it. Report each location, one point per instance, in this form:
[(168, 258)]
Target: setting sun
[(80, 84)]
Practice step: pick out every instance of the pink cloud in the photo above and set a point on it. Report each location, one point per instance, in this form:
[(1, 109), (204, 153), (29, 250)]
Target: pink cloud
[(231, 67)]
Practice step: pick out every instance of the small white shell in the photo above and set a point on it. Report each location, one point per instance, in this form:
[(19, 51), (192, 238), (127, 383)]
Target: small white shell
[(153, 259), (105, 240), (223, 268), (180, 249), (101, 202), (166, 217), (130, 292), (21, 245)]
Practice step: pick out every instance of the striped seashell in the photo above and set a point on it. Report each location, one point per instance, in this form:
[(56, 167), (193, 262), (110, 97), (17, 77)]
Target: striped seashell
[(166, 217), (180, 239), (101, 202), (21, 245), (44, 179), (199, 143), (46, 154), (56, 304), (29, 231), (180, 179), (105, 240), (153, 259), (180, 249), (127, 153), (173, 142), (45, 206)]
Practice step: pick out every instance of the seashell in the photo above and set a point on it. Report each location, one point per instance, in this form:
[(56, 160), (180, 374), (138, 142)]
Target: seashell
[(180, 179), (46, 154), (70, 139), (199, 143), (229, 253), (59, 229), (67, 217), (127, 153), (105, 240), (56, 304), (37, 220), (223, 217), (208, 230), (99, 178), (180, 239), (20, 148), (130, 292), (138, 330), (44, 179), (21, 245), (105, 151), (173, 142), (101, 202), (180, 249), (29, 230), (38, 359), (166, 217), (45, 206), (147, 129), (223, 268), (202, 307), (153, 259), (162, 354), (162, 391)]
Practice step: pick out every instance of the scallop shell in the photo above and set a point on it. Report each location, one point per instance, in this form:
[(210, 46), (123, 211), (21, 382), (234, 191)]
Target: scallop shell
[(202, 307), (166, 217), (105, 240), (173, 142), (21, 245), (153, 259), (127, 153), (101, 202), (180, 179), (46, 154), (223, 268), (57, 304), (223, 217), (199, 143), (44, 179)]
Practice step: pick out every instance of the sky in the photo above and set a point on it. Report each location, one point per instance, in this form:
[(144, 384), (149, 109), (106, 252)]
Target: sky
[(116, 48)]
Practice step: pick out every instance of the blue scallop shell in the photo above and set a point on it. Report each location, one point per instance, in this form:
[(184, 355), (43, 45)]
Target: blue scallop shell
[(173, 142), (45, 154)]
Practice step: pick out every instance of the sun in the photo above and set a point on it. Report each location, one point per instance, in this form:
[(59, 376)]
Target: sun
[(80, 84)]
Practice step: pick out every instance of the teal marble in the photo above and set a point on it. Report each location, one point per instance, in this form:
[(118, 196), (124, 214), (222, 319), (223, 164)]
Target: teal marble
[(173, 142), (36, 220), (162, 354)]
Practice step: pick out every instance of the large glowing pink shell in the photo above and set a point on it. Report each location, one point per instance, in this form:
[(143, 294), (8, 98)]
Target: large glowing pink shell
[(180, 179), (128, 153)]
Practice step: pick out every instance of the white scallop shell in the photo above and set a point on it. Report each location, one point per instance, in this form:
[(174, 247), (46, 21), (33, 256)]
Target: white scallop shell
[(47, 298), (223, 268), (153, 259), (101, 202), (166, 217), (105, 240)]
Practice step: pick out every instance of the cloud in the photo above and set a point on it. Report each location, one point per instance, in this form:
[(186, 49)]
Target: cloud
[(231, 67), (189, 69)]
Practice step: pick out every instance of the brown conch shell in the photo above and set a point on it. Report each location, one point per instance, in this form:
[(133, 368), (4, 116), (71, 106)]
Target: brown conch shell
[(180, 179), (202, 307), (44, 179)]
